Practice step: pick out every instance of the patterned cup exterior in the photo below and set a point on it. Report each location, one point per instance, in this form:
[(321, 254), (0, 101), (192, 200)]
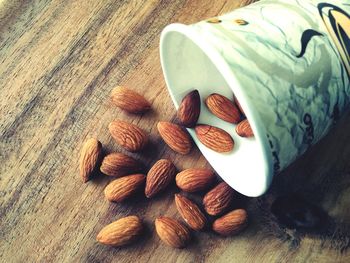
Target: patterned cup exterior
[(287, 63), (292, 58)]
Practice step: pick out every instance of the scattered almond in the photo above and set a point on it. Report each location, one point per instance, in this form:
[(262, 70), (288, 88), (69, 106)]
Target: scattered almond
[(118, 164), (214, 138), (195, 179), (91, 154), (175, 137), (218, 200), (122, 188), (243, 129), (223, 108), (129, 100), (189, 109), (190, 212), (128, 135), (172, 232), (159, 177), (231, 223), (121, 232)]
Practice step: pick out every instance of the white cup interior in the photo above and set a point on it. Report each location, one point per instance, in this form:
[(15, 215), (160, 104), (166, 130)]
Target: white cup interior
[(189, 63)]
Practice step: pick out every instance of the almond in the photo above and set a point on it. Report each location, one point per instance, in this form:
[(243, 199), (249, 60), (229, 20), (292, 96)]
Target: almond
[(91, 154), (121, 232), (175, 137), (243, 129), (195, 179), (231, 223), (223, 108), (159, 177), (129, 100), (214, 138), (172, 232), (118, 164), (122, 188), (189, 109), (217, 200), (190, 212), (128, 135)]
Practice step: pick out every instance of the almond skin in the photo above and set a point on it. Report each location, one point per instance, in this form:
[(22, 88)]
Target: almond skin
[(214, 138), (118, 164), (129, 100), (189, 109), (190, 212), (231, 223), (128, 135), (90, 157), (223, 108), (121, 232), (195, 179), (218, 199), (175, 137), (122, 188), (159, 177), (172, 232), (243, 129)]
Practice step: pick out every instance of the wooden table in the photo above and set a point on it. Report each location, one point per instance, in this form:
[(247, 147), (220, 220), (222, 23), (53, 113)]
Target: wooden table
[(59, 62)]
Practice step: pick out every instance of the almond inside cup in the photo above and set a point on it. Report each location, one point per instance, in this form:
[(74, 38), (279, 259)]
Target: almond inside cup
[(190, 63)]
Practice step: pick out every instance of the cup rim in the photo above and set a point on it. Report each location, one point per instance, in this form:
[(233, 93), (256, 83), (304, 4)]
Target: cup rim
[(229, 76)]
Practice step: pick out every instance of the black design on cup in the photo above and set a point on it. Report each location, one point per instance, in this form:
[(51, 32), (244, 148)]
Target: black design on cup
[(305, 39), (214, 20), (338, 24), (241, 22), (309, 130), (276, 161)]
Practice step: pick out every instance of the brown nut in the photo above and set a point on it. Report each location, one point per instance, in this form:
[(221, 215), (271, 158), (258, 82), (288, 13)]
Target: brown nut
[(159, 177), (175, 137), (128, 135), (190, 212), (223, 108), (195, 179), (121, 232), (90, 157), (218, 199), (129, 100), (118, 164), (243, 129), (214, 138), (231, 223), (172, 232), (122, 188), (189, 109)]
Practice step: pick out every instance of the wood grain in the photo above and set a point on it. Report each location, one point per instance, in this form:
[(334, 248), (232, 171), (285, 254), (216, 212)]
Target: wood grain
[(59, 62)]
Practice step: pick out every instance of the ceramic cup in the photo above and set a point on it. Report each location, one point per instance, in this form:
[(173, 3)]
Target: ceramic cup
[(288, 64)]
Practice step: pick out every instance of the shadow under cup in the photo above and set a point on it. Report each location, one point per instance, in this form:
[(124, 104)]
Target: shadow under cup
[(286, 73)]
